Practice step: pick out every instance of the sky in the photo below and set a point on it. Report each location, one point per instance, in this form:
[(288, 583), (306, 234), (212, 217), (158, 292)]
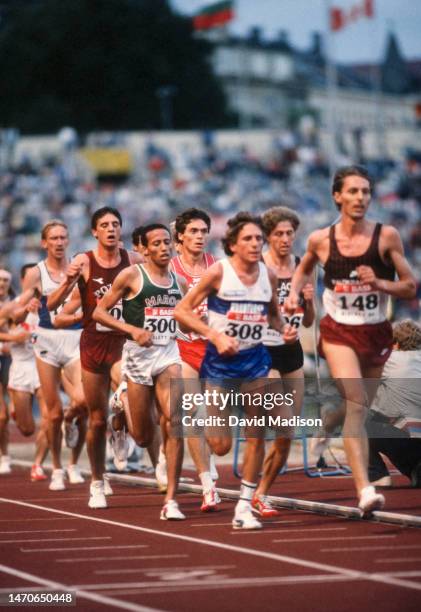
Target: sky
[(361, 41)]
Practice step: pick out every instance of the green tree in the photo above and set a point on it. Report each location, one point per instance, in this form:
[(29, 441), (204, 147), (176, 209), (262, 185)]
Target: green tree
[(99, 65)]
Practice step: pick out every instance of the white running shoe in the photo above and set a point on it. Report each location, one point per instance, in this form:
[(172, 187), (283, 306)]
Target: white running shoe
[(5, 467), (171, 512), (212, 468), (210, 501), (70, 433), (119, 446), (116, 404), (107, 487), (244, 519), (161, 473), (319, 443), (74, 474), (370, 500), (57, 480), (97, 499)]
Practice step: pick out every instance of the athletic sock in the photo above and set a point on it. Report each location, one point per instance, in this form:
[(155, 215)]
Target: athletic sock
[(206, 480), (247, 490)]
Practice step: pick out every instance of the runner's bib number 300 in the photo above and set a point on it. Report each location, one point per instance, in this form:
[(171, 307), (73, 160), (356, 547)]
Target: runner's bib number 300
[(161, 322)]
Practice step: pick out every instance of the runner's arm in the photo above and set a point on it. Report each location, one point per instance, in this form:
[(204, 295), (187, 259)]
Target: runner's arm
[(303, 272), (68, 315), (404, 288), (120, 288), (309, 312), (73, 272)]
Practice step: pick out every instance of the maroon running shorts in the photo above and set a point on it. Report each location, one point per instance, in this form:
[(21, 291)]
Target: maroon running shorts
[(100, 351), (372, 343)]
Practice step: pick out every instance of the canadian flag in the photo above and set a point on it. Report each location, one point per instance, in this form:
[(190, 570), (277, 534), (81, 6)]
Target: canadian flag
[(340, 18)]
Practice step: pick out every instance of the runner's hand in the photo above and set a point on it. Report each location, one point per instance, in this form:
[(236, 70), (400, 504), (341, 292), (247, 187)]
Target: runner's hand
[(73, 272), (366, 275), (308, 292), (22, 336), (142, 336), (226, 346), (33, 305), (291, 303), (289, 333)]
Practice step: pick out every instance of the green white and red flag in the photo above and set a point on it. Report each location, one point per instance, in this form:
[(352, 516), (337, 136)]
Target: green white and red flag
[(214, 15)]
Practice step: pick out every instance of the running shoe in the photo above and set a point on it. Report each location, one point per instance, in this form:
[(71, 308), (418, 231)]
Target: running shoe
[(119, 446), (37, 473), (5, 467), (70, 433), (74, 474), (57, 481), (161, 473), (210, 501), (171, 512), (212, 468), (262, 506), (116, 403), (318, 445), (244, 519), (370, 500), (97, 499), (107, 487)]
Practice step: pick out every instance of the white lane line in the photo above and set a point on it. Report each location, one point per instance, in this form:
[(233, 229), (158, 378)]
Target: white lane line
[(31, 520), (56, 540), (125, 558), (37, 531), (398, 560), (405, 574), (162, 570), (341, 538), (279, 531), (221, 545), (369, 548), (212, 582), (96, 597), (73, 548), (230, 524)]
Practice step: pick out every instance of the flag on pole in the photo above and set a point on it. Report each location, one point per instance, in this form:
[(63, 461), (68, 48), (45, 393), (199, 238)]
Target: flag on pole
[(340, 18), (214, 15)]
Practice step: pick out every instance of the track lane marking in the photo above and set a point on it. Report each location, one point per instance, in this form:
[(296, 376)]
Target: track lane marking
[(56, 539), (242, 550), (31, 550), (103, 599), (341, 538), (90, 559), (37, 531)]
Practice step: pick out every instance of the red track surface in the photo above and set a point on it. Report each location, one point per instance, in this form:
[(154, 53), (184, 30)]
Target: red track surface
[(300, 561)]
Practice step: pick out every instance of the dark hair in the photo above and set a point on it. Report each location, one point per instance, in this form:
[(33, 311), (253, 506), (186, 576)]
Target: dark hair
[(344, 171), (145, 229), (276, 215), (136, 235), (235, 225), (26, 267), (101, 212), (183, 219)]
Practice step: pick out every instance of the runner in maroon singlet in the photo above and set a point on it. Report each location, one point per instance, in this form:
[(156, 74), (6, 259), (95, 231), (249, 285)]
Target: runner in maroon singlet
[(360, 260), (100, 347)]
